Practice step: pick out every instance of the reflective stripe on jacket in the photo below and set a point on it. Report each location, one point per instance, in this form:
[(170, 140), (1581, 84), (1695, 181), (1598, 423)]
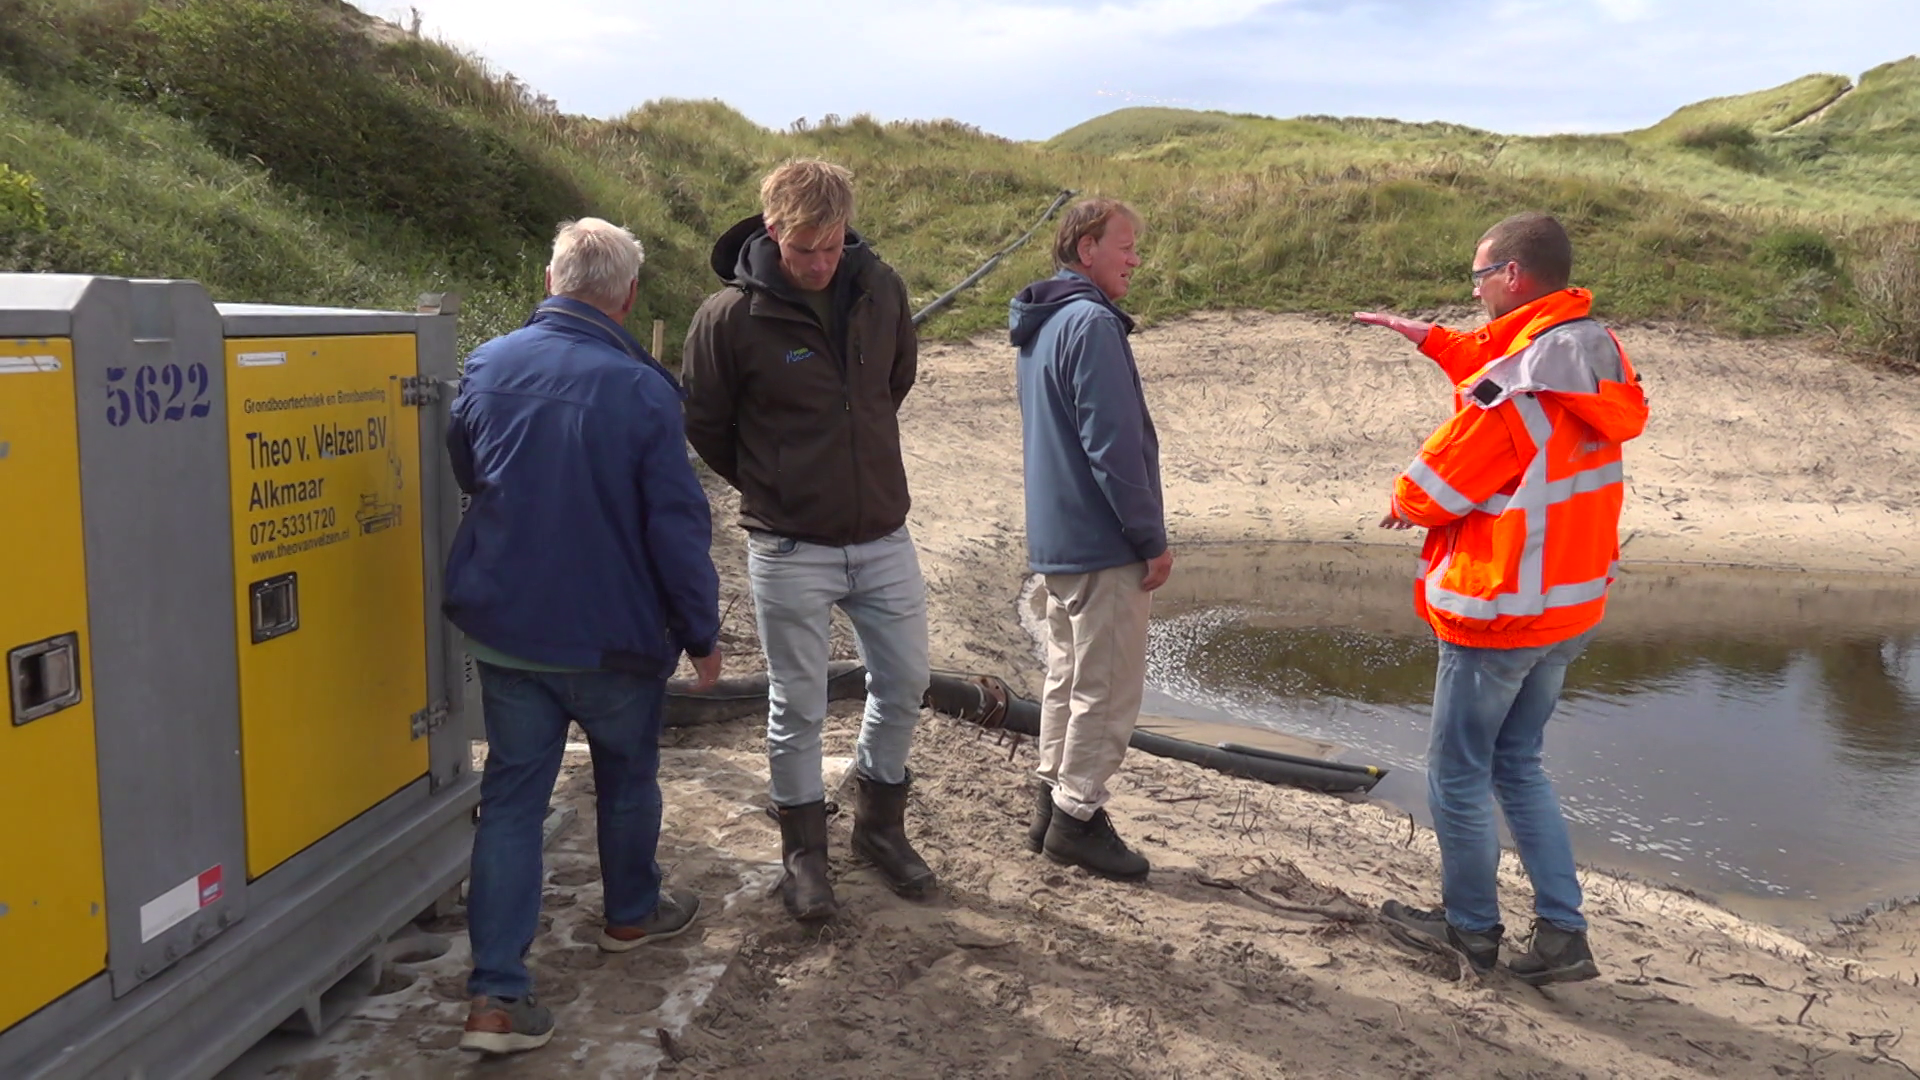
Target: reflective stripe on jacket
[(1521, 490)]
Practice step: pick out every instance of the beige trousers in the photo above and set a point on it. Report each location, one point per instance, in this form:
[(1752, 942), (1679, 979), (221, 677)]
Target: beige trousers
[(1096, 672)]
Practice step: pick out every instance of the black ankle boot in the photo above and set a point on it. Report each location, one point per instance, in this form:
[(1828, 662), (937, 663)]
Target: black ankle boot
[(1428, 929), (1094, 845), (880, 836), (1555, 955), (1042, 817), (804, 888)]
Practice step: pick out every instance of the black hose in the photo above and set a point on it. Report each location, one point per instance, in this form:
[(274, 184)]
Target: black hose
[(970, 698), (963, 697), (1302, 773), (731, 699), (978, 698), (1320, 763)]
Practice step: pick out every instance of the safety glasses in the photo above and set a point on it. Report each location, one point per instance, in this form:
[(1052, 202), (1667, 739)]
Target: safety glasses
[(1480, 275)]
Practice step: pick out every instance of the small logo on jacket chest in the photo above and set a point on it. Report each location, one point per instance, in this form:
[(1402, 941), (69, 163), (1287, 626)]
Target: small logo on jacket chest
[(794, 356)]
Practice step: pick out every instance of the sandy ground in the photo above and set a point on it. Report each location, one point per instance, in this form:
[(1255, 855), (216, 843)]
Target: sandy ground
[(1251, 951)]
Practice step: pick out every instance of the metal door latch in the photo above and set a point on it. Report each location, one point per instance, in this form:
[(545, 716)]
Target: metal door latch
[(429, 720), (44, 677), (275, 603)]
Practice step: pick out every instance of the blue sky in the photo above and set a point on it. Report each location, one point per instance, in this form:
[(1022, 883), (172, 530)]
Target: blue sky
[(1028, 69)]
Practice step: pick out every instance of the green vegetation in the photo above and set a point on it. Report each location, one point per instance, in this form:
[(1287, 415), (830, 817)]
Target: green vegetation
[(296, 151), (1768, 111), (22, 209), (1305, 145), (1889, 287), (1797, 250)]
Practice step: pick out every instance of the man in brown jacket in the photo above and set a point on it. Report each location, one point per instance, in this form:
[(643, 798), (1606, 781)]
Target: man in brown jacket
[(795, 372)]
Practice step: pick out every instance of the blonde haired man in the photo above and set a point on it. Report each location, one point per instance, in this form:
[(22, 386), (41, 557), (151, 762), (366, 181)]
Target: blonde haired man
[(580, 575), (795, 372)]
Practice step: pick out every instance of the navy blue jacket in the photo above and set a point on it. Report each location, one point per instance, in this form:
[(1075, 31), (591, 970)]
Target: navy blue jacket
[(585, 541), (1092, 457)]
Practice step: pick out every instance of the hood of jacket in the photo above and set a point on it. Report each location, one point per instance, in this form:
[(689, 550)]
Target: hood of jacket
[(1554, 346), (1042, 300), (746, 257)]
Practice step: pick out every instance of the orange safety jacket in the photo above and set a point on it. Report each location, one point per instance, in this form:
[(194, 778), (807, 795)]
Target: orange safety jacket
[(1521, 490)]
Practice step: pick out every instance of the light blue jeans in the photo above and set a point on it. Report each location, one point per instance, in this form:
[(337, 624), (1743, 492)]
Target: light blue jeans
[(1490, 712), (796, 586)]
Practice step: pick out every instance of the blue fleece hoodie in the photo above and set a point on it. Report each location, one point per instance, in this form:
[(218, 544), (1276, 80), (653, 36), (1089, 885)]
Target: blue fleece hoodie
[(1092, 457), (585, 543)]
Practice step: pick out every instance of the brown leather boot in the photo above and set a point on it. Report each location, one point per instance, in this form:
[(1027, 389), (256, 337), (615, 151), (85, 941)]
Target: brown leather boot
[(805, 888), (880, 836)]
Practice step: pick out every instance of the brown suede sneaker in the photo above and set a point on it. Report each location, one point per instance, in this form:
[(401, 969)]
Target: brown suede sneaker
[(506, 1025), (670, 918)]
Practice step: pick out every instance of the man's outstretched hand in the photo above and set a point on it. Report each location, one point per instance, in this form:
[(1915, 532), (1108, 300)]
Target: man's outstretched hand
[(1415, 332), (1395, 521)]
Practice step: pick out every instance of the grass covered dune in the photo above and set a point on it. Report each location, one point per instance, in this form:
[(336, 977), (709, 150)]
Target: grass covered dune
[(300, 151)]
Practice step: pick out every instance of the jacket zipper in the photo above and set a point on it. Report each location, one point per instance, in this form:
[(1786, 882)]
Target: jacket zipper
[(853, 428), (846, 391)]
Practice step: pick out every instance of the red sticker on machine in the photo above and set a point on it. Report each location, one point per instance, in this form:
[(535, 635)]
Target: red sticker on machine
[(211, 889)]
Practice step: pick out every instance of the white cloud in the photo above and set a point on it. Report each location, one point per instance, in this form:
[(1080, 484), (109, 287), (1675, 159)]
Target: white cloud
[(1030, 68), (567, 31), (1626, 10)]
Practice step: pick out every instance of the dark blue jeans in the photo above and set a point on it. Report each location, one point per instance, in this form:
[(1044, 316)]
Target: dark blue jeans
[(526, 716)]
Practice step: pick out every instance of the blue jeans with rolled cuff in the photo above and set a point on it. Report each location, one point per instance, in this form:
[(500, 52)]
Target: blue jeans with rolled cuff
[(1490, 713)]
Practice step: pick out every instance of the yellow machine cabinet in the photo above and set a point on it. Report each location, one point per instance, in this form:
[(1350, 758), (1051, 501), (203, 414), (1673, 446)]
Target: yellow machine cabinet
[(53, 926), (329, 582)]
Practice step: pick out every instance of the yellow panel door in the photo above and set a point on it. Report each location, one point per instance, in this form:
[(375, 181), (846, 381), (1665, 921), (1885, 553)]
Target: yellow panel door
[(53, 925), (329, 583)]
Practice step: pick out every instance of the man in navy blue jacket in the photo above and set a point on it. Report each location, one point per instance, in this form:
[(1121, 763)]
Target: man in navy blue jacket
[(580, 574), (1096, 528)]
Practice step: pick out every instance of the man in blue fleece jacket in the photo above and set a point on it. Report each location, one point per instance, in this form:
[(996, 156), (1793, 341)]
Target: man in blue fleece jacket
[(580, 574), (1096, 527)]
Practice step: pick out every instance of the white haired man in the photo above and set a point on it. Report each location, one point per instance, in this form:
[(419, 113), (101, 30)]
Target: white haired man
[(580, 574)]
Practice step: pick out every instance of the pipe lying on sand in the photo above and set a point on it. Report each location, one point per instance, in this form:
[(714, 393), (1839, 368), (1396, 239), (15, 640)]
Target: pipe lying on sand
[(731, 699), (991, 703)]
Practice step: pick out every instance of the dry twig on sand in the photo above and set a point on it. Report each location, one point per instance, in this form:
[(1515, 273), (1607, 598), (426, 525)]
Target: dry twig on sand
[(1350, 915), (1879, 1042)]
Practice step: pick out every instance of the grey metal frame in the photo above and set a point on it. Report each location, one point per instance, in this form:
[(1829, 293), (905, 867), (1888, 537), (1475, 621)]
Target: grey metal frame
[(41, 305), (166, 681), (276, 320), (451, 748), (217, 983)]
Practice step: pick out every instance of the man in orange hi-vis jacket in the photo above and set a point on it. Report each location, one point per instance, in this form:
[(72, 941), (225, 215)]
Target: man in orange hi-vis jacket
[(1520, 493)]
